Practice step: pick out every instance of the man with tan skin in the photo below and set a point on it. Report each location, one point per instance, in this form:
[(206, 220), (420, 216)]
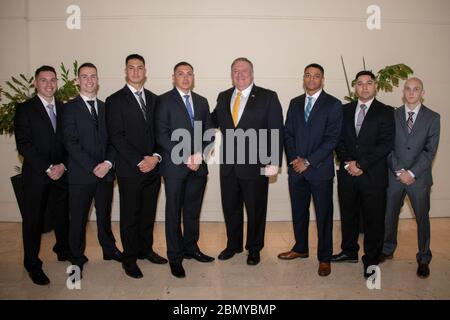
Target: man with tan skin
[(311, 132), (184, 174), (130, 121), (38, 133), (367, 138), (90, 175), (417, 130), (247, 108)]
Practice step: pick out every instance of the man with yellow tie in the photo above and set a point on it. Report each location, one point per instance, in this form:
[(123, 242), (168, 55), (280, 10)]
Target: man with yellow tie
[(250, 119)]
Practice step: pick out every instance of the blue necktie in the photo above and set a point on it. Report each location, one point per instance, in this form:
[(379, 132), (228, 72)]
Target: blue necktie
[(308, 108), (189, 108)]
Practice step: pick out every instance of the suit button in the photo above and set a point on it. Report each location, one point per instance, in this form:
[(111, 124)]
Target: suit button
[(409, 148)]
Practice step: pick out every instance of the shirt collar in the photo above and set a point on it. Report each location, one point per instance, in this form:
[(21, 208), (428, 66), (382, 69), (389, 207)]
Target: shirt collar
[(415, 110), (315, 95), (182, 94), (246, 92), (134, 90), (367, 104), (86, 99), (45, 103)]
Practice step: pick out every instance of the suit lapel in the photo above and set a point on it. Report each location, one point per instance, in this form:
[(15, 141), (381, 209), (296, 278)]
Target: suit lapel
[(43, 112), (228, 95), (352, 119), (132, 100), (179, 101), (316, 107), (301, 107), (401, 119), (248, 106), (421, 117), (371, 113)]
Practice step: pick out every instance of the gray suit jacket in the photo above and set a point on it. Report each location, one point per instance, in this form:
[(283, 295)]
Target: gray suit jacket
[(415, 151)]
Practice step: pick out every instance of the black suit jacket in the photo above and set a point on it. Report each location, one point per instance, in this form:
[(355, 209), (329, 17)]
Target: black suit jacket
[(373, 144), (37, 142), (131, 135), (171, 114), (86, 145), (262, 111)]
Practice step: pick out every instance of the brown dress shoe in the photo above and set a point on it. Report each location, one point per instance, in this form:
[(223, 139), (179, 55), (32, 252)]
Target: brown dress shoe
[(289, 255), (324, 269)]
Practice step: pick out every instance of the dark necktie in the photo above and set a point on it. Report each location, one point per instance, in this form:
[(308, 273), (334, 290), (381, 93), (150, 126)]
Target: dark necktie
[(410, 121), (142, 104), (93, 112)]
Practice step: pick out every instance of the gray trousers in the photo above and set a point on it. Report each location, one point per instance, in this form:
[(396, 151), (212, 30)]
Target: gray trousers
[(419, 197)]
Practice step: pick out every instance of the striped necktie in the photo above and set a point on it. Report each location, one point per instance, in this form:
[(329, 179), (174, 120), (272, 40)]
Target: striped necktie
[(410, 121), (308, 108)]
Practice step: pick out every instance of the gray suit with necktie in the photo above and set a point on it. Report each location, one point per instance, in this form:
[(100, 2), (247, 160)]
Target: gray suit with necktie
[(414, 150)]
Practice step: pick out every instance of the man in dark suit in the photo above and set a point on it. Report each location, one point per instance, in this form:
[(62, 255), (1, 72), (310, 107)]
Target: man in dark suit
[(184, 172), (312, 131), (417, 130), (251, 122), (367, 138), (90, 174), (130, 122), (38, 132)]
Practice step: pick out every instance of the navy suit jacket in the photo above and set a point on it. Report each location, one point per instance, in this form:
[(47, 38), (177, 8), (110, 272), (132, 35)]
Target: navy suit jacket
[(171, 114), (86, 145), (316, 139), (37, 142)]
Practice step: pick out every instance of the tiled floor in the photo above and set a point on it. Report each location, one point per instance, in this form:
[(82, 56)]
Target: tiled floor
[(232, 279)]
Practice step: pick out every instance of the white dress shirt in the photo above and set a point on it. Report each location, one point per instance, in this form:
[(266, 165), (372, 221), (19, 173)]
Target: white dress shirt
[(244, 98)]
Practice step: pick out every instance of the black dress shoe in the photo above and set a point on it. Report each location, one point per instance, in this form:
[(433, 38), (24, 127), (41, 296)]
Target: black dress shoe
[(133, 271), (177, 270), (228, 254), (423, 271), (116, 255), (153, 257), (342, 257), (253, 258), (39, 277), (199, 256)]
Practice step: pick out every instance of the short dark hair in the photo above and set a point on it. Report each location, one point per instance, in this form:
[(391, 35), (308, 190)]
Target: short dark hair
[(86, 65), (365, 73), (182, 63), (43, 69), (244, 59), (315, 65), (135, 56)]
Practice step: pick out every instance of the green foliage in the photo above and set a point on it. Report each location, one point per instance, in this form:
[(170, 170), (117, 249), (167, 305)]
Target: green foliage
[(387, 78), (22, 88)]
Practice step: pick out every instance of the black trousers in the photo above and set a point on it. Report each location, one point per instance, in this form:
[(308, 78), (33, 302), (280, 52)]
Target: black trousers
[(37, 197), (356, 197), (183, 199), (80, 201), (236, 192), (321, 191), (138, 200)]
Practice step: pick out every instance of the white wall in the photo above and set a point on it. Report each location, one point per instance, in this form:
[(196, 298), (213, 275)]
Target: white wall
[(280, 37)]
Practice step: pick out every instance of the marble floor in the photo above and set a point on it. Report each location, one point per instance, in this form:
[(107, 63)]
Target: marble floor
[(231, 279)]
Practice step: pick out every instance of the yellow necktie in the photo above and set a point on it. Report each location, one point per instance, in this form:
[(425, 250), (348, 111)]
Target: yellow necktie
[(236, 104)]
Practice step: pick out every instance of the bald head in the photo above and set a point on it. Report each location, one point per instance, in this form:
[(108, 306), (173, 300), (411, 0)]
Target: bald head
[(414, 80), (413, 92)]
